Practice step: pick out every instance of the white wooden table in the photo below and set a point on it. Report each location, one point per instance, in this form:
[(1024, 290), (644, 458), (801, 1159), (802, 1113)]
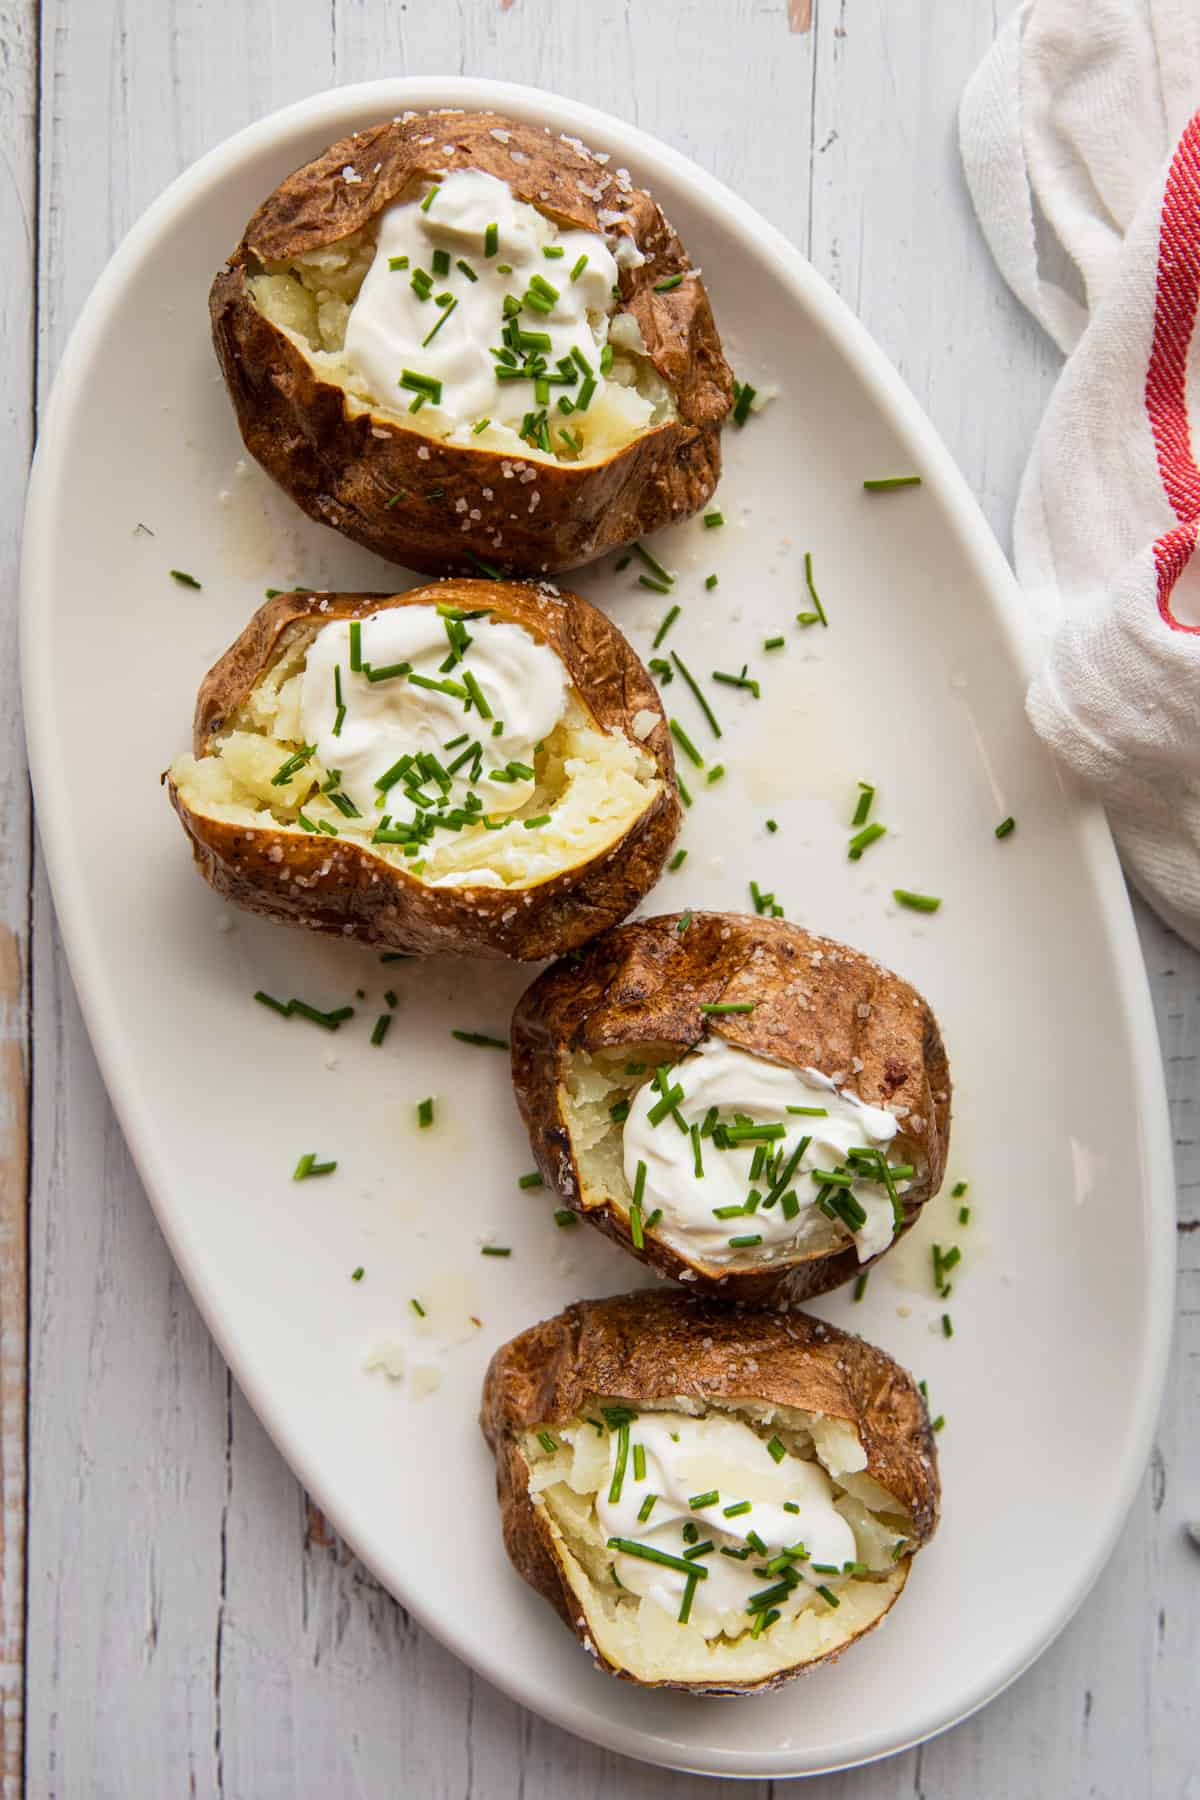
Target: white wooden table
[(175, 1618)]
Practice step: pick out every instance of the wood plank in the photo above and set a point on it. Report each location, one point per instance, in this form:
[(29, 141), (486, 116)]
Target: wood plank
[(18, 188)]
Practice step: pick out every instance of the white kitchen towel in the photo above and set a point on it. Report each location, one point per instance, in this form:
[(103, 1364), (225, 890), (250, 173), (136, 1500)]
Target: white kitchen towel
[(1080, 139)]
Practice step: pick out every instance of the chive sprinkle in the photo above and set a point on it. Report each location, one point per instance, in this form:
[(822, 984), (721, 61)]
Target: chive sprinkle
[(778, 1449), (652, 563), (654, 584), (884, 484), (1006, 827), (669, 282), (425, 1113), (494, 1250), (685, 743), (308, 1165), (927, 903), (532, 1180), (862, 840), (713, 519), (431, 196), (710, 581), (548, 1442), (717, 1007), (666, 625), (816, 598), (184, 579), (579, 267), (862, 811), (380, 1028), (964, 1215), (647, 1506), (441, 320), (650, 1553), (705, 708), (481, 1039), (358, 1273), (564, 1216), (491, 239), (958, 1190), (947, 1326), (712, 1498), (744, 1243), (618, 1476), (679, 858), (860, 1286), (775, 643), (936, 1424)]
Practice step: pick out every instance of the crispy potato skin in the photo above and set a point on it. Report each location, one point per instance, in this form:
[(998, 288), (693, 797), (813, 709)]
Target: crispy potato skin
[(645, 982), (659, 1345), (344, 468), (346, 889)]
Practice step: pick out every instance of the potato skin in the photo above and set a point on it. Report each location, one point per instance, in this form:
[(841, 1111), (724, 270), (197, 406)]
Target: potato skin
[(645, 982), (343, 469), (335, 886), (656, 1345)]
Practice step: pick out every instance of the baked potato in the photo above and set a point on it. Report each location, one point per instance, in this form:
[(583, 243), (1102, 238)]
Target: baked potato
[(749, 1108), (475, 768), (560, 394), (712, 1499)]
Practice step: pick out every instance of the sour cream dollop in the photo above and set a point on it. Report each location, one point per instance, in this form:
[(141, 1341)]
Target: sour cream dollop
[(523, 684), (686, 1459), (805, 1103), (389, 328)]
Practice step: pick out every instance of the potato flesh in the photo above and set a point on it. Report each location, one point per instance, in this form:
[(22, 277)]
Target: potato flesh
[(309, 299), (593, 783), (593, 1085), (636, 1634)]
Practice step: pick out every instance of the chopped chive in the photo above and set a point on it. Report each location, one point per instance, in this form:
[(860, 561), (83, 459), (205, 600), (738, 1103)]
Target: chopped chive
[(481, 1039), (697, 1155), (772, 825), (882, 485), (807, 618), (927, 903), (669, 282), (647, 1507), (958, 1190), (744, 396), (356, 646), (636, 1232), (184, 579), (686, 745), (710, 581), (308, 1165), (425, 1113), (684, 795), (947, 1326), (441, 262), (532, 1180), (936, 1424), (652, 563), (380, 1028), (479, 425), (491, 239), (431, 196), (652, 582), (964, 1215), (548, 1442), (535, 824), (278, 1006), (1006, 827), (718, 1007), (775, 643), (477, 695), (744, 1243), (705, 708), (668, 620), (580, 266), (735, 1511), (494, 1250), (685, 920), (357, 1274), (715, 773), (395, 263), (829, 1595), (618, 1476), (738, 681), (860, 1286), (679, 858), (430, 335), (870, 834), (650, 1553), (778, 1449), (862, 810), (639, 1462), (564, 1216), (712, 1498), (713, 519)]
